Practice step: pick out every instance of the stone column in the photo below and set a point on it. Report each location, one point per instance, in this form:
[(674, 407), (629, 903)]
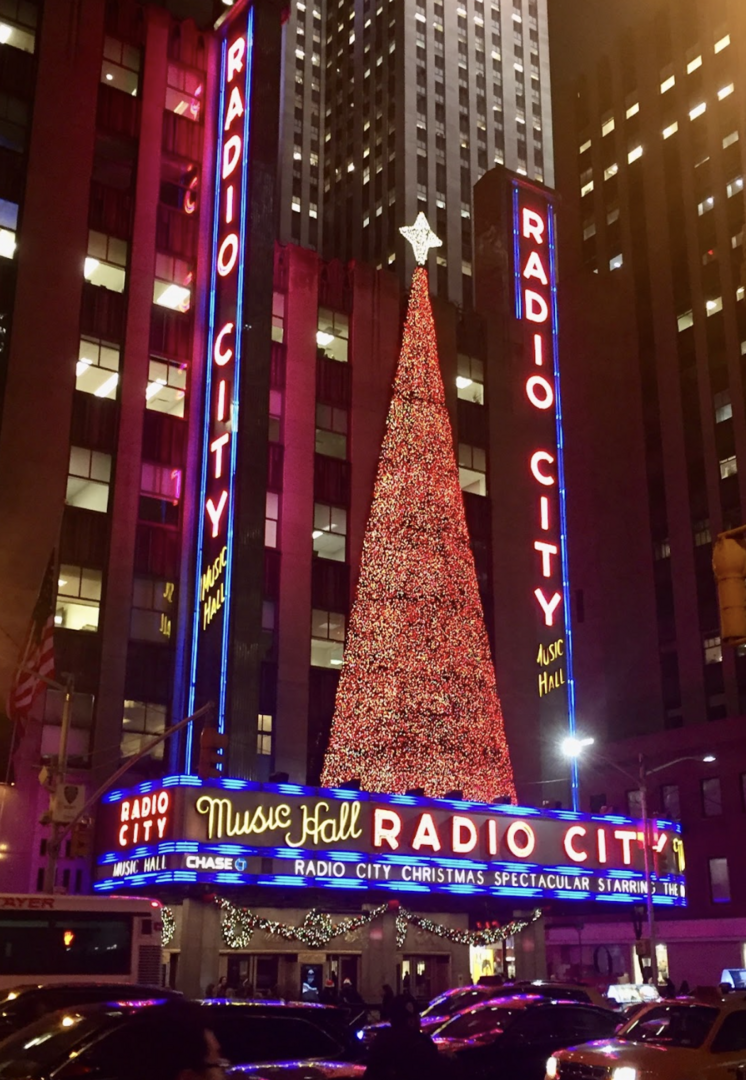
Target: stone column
[(200, 944)]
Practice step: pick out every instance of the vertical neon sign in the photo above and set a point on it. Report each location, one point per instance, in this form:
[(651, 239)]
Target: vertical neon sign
[(214, 562), (535, 274)]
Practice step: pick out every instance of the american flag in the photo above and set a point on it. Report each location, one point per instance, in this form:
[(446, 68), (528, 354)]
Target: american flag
[(37, 655)]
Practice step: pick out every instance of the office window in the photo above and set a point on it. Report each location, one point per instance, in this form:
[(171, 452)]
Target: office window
[(327, 638), (670, 802), (184, 92), (264, 734), (105, 262), (271, 518), (160, 482), (616, 262), (470, 379), (685, 320), (728, 467), (88, 479), (78, 598), (18, 26), (173, 278), (97, 369), (332, 335), (472, 471), (274, 431), (329, 532), (142, 722), (734, 186), (634, 154), (719, 881), (8, 224), (152, 609), (723, 406), (712, 800), (166, 389), (331, 431), (713, 650), (706, 205), (121, 66), (671, 130), (634, 803), (278, 317)]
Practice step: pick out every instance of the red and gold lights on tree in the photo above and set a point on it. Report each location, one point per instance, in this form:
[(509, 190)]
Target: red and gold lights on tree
[(417, 704)]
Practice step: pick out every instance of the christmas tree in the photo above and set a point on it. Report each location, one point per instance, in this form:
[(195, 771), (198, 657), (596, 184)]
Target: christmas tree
[(417, 704)]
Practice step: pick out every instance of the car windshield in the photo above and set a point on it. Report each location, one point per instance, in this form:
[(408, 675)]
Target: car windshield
[(447, 1004), (46, 1043), (672, 1025), (477, 1021)]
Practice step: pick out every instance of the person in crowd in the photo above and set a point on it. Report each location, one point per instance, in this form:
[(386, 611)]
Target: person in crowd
[(387, 998), (221, 990), (349, 995), (684, 990), (402, 1051), (185, 1049), (329, 993), (210, 990), (668, 989)]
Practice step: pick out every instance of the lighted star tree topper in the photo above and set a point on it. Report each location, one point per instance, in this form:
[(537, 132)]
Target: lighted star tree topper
[(417, 704)]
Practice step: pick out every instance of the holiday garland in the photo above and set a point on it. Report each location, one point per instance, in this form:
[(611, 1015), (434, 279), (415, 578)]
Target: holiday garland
[(317, 929), (168, 928)]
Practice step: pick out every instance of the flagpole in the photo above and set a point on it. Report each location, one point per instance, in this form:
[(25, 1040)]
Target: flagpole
[(58, 779)]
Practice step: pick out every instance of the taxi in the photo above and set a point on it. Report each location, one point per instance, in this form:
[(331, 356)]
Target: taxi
[(671, 1040)]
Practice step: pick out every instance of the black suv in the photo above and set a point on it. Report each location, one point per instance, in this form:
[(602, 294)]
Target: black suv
[(21, 1005)]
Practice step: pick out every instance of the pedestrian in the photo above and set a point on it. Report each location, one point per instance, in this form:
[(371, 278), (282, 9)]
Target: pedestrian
[(349, 995), (402, 1051), (210, 990), (684, 990), (669, 990), (221, 989), (247, 989), (386, 1001), (328, 993), (184, 1047)]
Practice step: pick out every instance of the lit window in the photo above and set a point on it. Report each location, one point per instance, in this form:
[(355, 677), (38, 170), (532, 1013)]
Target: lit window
[(78, 598), (142, 721), (327, 638), (607, 126), (612, 170), (612, 216), (172, 280), (671, 130), (160, 481), (589, 230), (8, 228), (694, 64), (332, 334), (586, 146), (88, 479), (633, 110), (702, 532), (586, 189), (121, 66), (635, 154), (97, 368), (685, 320), (705, 205), (734, 186), (151, 618), (271, 518), (264, 734), (472, 471), (723, 43), (725, 91), (616, 262), (728, 467), (668, 83), (470, 379), (19, 33), (184, 92), (729, 140), (331, 431), (329, 532), (719, 881), (723, 406), (105, 262), (278, 317), (698, 110), (714, 306), (662, 550)]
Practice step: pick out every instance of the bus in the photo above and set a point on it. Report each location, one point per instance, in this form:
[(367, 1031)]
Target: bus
[(105, 939)]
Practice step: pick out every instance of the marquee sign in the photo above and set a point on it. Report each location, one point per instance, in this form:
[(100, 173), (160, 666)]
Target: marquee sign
[(223, 360), (238, 832)]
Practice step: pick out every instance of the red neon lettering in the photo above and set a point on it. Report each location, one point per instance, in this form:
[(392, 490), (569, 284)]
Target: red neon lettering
[(547, 606), (235, 108), (492, 836), (534, 268), (537, 309), (228, 254), (537, 459), (539, 392), (386, 828), (626, 836), (231, 155), (221, 400), (546, 551), (222, 356), (215, 513), (518, 849), (235, 57), (544, 510), (229, 205), (464, 834), (538, 350), (571, 851), (601, 839), (533, 226), (426, 834), (216, 448), (123, 836)]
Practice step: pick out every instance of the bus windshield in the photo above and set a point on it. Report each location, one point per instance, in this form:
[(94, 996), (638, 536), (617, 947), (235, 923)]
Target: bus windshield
[(65, 943)]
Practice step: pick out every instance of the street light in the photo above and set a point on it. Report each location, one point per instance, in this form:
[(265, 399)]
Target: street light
[(572, 747)]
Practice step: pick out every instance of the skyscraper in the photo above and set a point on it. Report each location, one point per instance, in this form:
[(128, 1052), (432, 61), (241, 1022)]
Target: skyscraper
[(394, 107)]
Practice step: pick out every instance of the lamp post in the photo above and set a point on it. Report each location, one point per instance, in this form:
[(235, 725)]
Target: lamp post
[(573, 747)]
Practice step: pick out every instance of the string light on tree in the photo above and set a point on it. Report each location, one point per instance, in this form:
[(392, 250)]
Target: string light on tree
[(316, 930), (417, 703), (490, 936), (168, 926)]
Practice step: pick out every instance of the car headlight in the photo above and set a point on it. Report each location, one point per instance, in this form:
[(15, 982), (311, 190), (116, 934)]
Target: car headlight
[(552, 1068), (624, 1072)]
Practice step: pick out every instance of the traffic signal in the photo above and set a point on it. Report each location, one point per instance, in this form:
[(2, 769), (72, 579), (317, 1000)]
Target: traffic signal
[(81, 841), (211, 747), (729, 567)]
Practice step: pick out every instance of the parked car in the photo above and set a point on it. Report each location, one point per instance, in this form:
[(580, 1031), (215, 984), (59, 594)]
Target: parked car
[(437, 1012), (589, 995), (24, 1004), (298, 1070), (672, 1040), (509, 1037)]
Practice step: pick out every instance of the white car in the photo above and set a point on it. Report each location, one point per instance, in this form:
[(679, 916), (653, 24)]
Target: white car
[(671, 1040)]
